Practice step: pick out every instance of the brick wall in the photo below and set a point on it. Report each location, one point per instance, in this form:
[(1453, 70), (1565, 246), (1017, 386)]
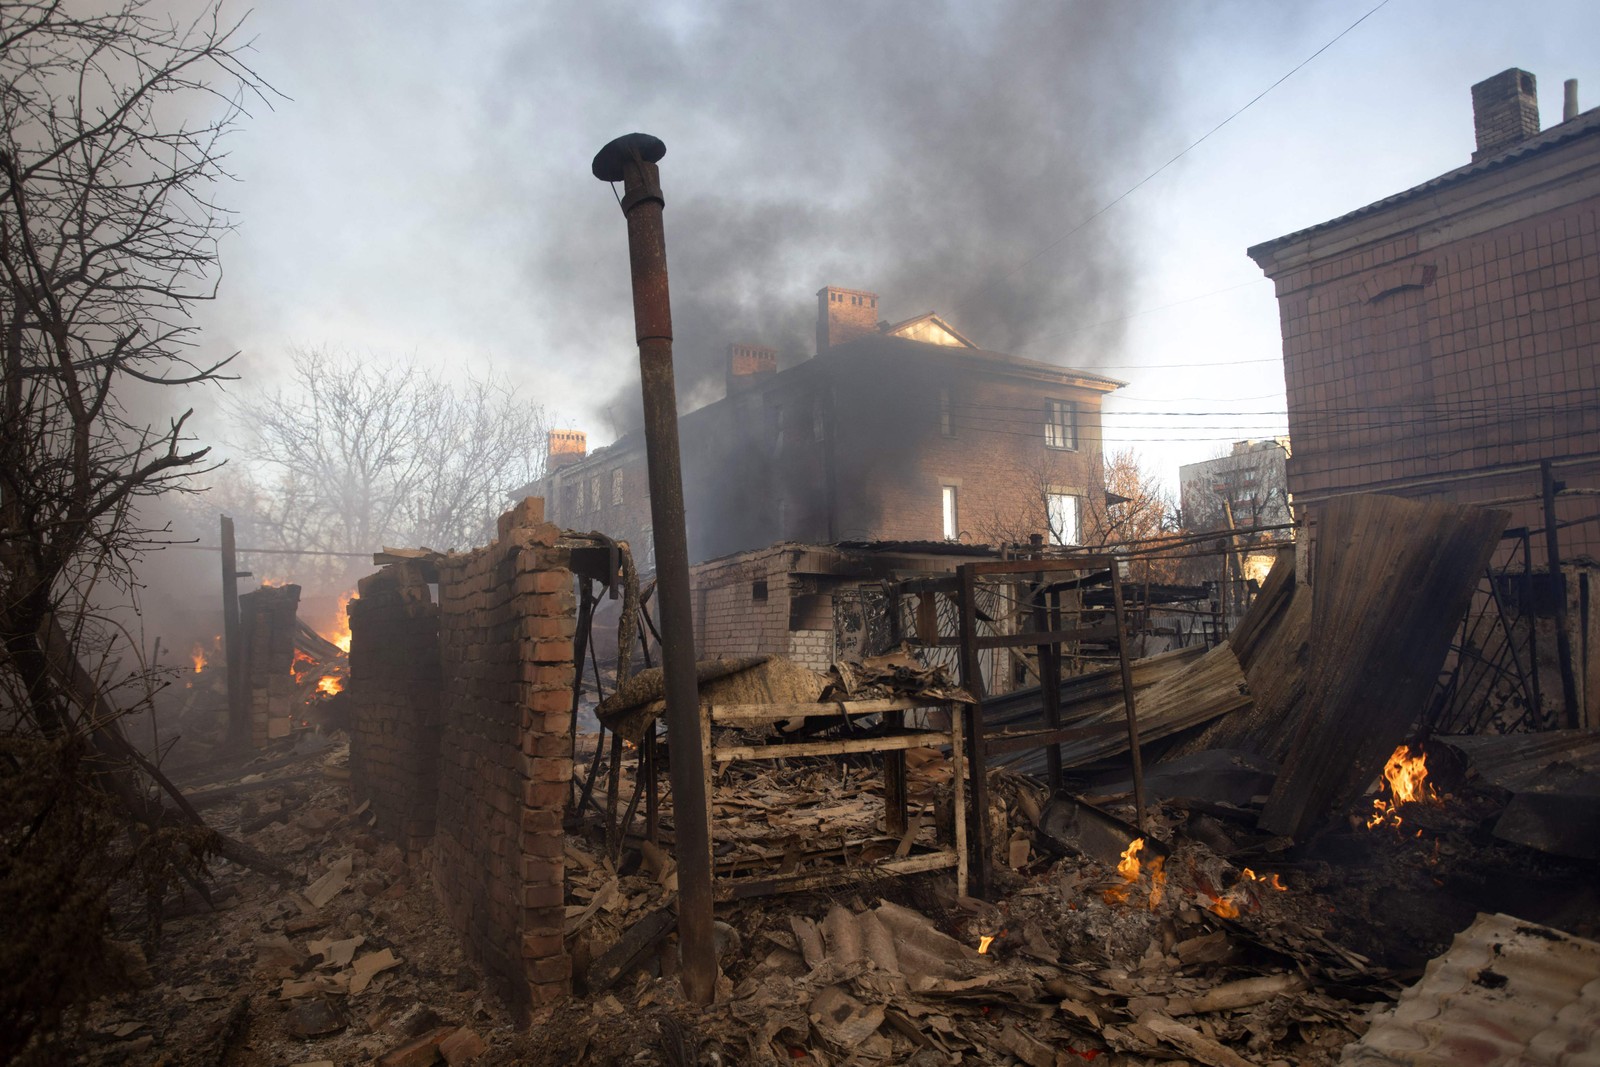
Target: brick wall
[(394, 696), (1445, 345), (741, 604), (267, 630), (505, 624)]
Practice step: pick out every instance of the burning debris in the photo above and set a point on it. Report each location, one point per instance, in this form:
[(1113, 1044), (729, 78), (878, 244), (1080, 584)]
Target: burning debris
[(1405, 781)]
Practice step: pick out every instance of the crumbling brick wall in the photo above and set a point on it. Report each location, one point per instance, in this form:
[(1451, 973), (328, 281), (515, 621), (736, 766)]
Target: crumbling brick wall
[(506, 623), (753, 604), (267, 626), (394, 695)]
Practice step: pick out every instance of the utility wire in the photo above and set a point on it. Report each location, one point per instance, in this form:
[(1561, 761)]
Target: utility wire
[(1138, 185)]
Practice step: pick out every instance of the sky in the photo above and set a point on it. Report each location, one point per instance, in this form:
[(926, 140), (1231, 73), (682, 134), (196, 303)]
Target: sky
[(422, 187)]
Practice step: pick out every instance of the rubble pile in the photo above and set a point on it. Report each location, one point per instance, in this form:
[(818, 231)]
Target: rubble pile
[(1180, 955)]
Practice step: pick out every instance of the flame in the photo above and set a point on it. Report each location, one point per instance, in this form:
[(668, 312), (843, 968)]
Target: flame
[(1158, 881), (330, 684), (1130, 869), (301, 666), (1271, 881), (1405, 778), (199, 657), (341, 636), (1128, 865), (984, 942), (1225, 907)]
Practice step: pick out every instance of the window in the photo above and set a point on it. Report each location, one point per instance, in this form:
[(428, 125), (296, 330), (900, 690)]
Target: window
[(947, 418), (577, 498), (1061, 509), (819, 420), (1061, 424), (616, 486), (952, 527), (758, 590), (594, 492)]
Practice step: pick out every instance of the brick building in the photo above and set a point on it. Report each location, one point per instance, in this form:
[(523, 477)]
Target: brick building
[(1444, 341), (1251, 481), (903, 432)]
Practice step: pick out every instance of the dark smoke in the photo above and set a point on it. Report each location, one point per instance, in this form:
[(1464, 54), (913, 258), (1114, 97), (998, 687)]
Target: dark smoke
[(922, 151)]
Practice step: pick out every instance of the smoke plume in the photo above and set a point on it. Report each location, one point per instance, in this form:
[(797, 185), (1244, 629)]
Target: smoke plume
[(927, 152)]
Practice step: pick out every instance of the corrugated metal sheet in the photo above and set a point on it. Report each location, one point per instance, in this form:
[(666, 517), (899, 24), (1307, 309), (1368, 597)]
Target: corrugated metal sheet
[(1507, 992)]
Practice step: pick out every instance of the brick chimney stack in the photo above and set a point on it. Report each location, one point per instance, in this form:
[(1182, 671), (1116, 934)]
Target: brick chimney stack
[(749, 365), (843, 315), (1505, 111), (566, 448)]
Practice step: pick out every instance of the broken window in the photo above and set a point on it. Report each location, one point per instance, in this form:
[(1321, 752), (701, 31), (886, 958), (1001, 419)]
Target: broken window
[(1061, 424), (1061, 509), (577, 499), (947, 421), (594, 492), (952, 528), (616, 486)]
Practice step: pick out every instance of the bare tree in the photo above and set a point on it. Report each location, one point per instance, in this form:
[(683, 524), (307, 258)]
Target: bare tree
[(108, 238), (361, 452)]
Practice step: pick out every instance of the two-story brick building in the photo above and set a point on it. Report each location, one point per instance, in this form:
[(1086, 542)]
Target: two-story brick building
[(904, 432), (1445, 340)]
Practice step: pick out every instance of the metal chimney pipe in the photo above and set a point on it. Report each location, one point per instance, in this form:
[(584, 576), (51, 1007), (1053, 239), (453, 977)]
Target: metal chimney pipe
[(632, 159), (1569, 105)]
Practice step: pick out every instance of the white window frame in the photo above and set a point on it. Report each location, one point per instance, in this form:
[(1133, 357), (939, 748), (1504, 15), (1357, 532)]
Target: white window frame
[(1057, 517), (950, 511)]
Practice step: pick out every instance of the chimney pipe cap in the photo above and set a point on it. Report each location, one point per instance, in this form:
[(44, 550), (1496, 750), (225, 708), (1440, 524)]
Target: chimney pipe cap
[(608, 162)]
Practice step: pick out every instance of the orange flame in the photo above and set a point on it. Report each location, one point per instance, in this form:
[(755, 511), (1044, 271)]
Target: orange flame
[(301, 666), (984, 942), (1225, 907), (1405, 778), (1130, 869), (1158, 881), (199, 657), (330, 684), (1128, 865), (341, 636)]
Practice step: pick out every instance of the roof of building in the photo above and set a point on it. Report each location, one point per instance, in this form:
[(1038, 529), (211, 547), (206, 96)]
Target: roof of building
[(1584, 125), (929, 325), (886, 344)]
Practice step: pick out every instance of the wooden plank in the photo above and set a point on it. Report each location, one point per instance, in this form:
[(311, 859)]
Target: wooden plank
[(630, 949), (959, 796), (840, 747), (1391, 579), (804, 881), (972, 680), (726, 713), (1000, 742)]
